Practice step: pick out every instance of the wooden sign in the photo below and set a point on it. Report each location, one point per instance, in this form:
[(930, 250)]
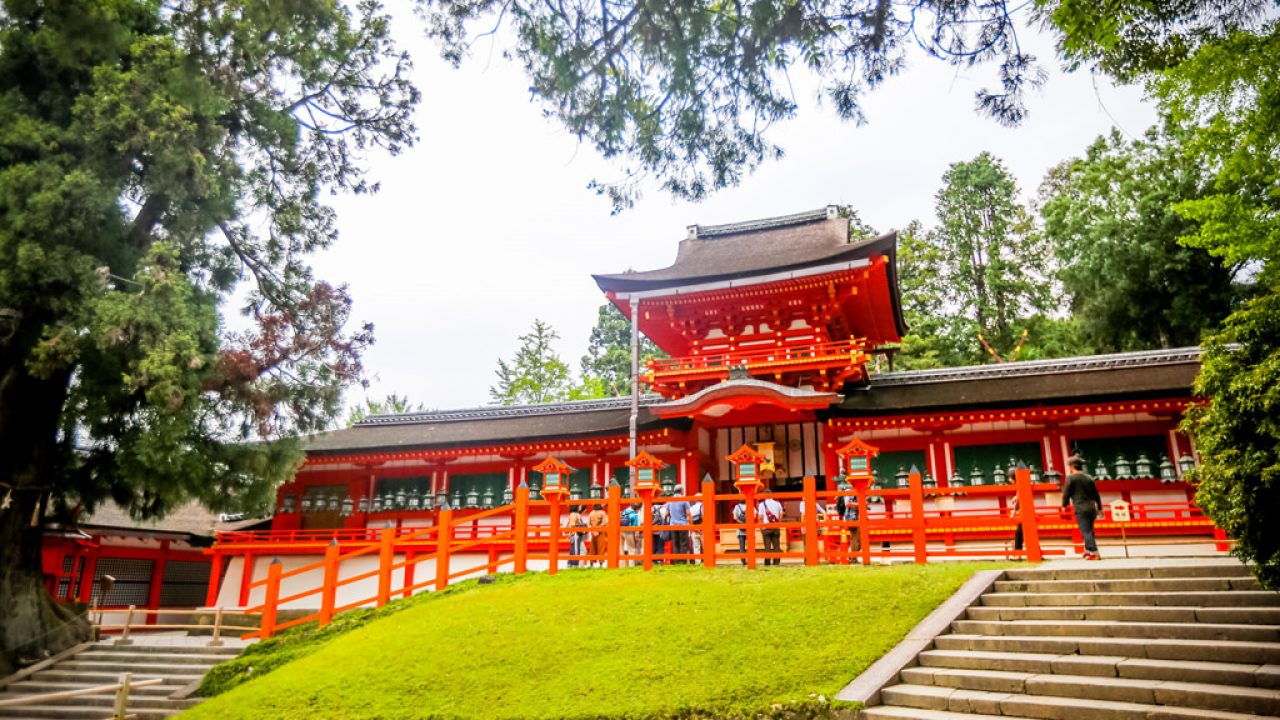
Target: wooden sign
[(1119, 511)]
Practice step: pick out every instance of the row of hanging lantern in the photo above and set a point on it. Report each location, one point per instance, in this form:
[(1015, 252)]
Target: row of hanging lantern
[(1141, 468)]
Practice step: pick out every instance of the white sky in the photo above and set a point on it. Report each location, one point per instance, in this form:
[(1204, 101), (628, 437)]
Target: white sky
[(487, 223)]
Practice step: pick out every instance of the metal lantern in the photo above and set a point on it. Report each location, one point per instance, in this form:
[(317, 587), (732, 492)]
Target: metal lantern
[(426, 499), (1035, 474), (487, 498), (1053, 476), (286, 505), (306, 503), (508, 497), (377, 503), (928, 481), (442, 501), (668, 487), (347, 506), (575, 495), (1100, 472), (900, 477), (334, 503), (975, 477), (1142, 467), (957, 480), (1124, 469), (414, 501), (473, 498), (401, 499), (363, 505), (1186, 464), (998, 477), (1166, 470)]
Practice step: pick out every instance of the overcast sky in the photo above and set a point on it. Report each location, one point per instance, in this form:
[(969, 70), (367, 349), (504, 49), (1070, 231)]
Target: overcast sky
[(487, 223)]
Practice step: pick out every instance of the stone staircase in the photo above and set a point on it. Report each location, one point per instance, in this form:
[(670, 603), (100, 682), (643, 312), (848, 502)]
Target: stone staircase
[(179, 665), (1102, 642)]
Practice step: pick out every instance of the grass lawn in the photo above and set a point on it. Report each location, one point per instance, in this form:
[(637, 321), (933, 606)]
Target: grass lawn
[(676, 642)]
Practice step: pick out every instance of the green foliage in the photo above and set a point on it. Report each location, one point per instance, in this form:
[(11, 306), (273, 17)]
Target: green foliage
[(1238, 433), (978, 287), (392, 404), (536, 374), (606, 368), (677, 642), (685, 91), (1111, 219), (151, 158)]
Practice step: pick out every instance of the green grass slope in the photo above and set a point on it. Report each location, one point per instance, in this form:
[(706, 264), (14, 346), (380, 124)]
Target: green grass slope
[(678, 642)]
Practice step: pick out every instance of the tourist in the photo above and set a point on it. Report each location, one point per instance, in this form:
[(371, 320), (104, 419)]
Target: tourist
[(1083, 495), (631, 541), (695, 535), (575, 520), (659, 538), (740, 517), (597, 520), (677, 515), (769, 511), (1013, 513), (847, 510)]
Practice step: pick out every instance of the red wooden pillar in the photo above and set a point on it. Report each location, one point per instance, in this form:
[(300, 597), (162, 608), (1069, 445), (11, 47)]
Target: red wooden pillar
[(918, 538), (810, 504), (269, 605), (614, 510), (749, 492), (520, 539), (329, 589), (409, 566), (860, 486), (386, 556), (444, 545), (215, 580), (646, 529), (246, 579), (553, 548), (1027, 509), (709, 534)]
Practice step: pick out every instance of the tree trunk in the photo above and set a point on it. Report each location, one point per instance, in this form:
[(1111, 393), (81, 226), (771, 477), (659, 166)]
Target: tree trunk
[(31, 624)]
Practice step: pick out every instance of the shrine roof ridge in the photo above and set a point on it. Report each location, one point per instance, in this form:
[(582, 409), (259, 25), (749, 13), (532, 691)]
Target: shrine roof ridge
[(800, 218), (1141, 358), (503, 411)]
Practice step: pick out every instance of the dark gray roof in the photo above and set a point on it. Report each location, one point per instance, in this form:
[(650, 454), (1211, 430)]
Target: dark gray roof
[(756, 247), (487, 426), (189, 519), (1162, 373)]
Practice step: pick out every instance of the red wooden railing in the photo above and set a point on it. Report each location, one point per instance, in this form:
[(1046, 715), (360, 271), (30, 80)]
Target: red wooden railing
[(907, 517), (773, 358)]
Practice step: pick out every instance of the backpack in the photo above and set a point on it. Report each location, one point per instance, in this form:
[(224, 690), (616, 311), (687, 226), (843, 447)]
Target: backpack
[(630, 518), (767, 512), (739, 513)]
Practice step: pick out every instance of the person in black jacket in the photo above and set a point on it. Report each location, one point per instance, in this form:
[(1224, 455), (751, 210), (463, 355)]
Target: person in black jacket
[(1083, 494)]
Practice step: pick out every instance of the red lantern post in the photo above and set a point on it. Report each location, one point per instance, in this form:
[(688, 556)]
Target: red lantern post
[(555, 485), (857, 462), (746, 461), (646, 486)]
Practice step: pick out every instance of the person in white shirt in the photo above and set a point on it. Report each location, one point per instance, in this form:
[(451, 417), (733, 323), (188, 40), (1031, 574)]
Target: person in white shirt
[(695, 535), (769, 510)]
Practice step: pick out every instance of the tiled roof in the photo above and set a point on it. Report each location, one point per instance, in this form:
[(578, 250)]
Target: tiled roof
[(1145, 358)]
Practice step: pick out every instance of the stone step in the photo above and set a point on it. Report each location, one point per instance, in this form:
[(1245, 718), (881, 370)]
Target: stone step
[(39, 686), (1228, 569), (102, 678), (111, 646), (1146, 585), (136, 700), (1043, 707), (1146, 614), (892, 712), (1257, 653), (1227, 598), (1090, 628), (1231, 698), (1241, 674), (82, 712), (153, 668), (138, 655)]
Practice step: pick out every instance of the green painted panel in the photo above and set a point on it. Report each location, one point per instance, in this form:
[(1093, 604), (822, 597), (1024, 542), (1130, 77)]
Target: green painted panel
[(988, 457), (886, 466)]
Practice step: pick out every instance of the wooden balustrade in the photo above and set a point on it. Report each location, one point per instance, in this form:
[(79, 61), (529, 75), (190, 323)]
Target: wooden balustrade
[(913, 524), (137, 619)]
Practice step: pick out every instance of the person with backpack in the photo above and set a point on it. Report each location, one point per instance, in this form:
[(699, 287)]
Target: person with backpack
[(740, 517), (695, 535), (1084, 498), (630, 518), (847, 510), (576, 544), (659, 538), (769, 511)]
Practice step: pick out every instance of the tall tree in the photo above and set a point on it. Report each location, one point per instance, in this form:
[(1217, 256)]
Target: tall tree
[(536, 374), (152, 155), (1110, 217), (1227, 98), (686, 92), (607, 364), (977, 285)]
